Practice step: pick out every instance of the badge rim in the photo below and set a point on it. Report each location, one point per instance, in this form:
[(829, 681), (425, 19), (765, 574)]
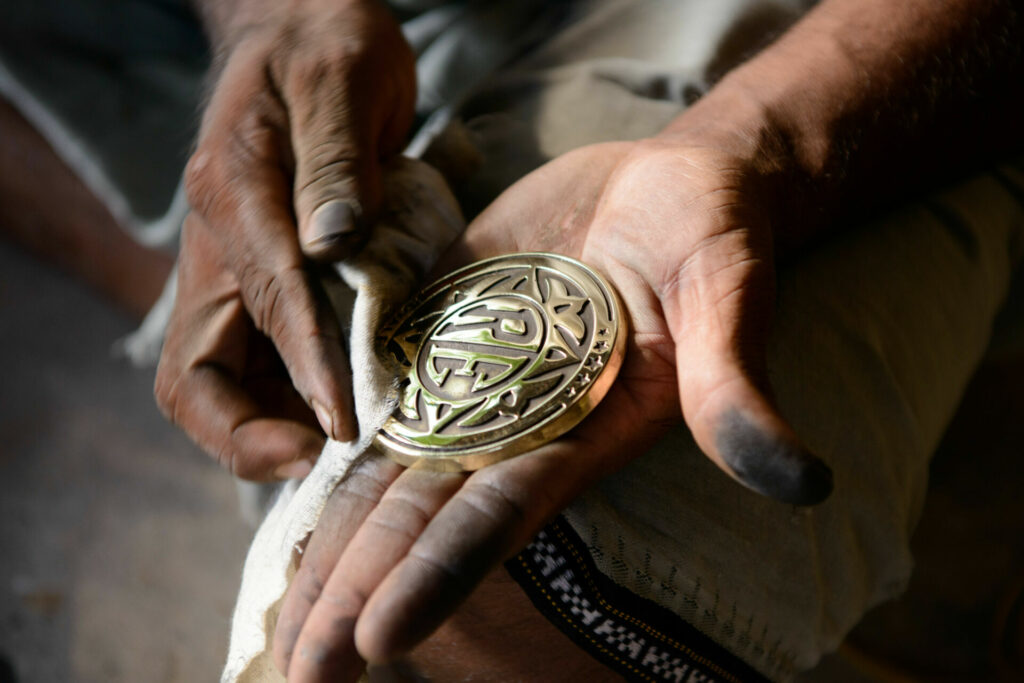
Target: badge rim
[(476, 457)]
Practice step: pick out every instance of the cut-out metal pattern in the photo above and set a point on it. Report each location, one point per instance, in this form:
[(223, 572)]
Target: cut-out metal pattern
[(498, 358)]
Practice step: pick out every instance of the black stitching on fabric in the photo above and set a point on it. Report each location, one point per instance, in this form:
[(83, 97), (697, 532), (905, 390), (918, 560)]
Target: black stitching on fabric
[(632, 635)]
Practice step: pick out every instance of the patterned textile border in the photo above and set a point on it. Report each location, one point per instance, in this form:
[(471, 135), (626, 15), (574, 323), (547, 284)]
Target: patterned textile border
[(633, 636)]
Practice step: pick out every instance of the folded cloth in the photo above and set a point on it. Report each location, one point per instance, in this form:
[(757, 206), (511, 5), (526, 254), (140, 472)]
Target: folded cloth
[(876, 334), (419, 218)]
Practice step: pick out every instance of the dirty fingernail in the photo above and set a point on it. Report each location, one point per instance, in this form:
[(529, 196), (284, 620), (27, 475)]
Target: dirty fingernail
[(771, 466), (334, 223), (324, 417), (297, 469)]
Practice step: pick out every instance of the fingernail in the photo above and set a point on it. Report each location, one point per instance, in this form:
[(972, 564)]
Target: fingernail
[(297, 469), (769, 465), (324, 416), (334, 222)]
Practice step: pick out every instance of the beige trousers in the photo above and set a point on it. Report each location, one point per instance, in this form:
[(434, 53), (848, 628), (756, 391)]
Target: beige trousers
[(876, 334)]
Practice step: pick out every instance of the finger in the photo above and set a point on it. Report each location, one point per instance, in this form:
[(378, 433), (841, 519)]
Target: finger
[(494, 514), (237, 183), (266, 380), (716, 310), (208, 349), (346, 509), (339, 134), (206, 401), (288, 306), (325, 649), (226, 422)]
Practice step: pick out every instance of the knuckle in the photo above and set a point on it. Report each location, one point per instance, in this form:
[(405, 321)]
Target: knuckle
[(165, 394), (401, 515), (491, 499), (263, 290), (327, 164), (451, 574), (365, 486), (256, 136), (226, 456), (720, 258), (343, 601), (308, 583), (305, 79), (232, 161), (205, 181), (226, 451), (451, 570), (333, 62), (198, 180)]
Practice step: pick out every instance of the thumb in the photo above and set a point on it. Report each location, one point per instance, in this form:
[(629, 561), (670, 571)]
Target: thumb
[(718, 314), (342, 125), (337, 181)]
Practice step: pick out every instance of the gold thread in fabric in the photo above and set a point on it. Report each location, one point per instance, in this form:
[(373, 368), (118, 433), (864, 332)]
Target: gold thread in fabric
[(630, 618), (576, 627)]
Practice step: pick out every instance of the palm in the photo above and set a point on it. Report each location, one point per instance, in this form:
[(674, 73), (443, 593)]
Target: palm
[(640, 222), (671, 229)]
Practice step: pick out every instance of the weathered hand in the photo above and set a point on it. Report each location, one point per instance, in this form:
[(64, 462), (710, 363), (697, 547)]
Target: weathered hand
[(308, 101), (683, 231), (223, 380)]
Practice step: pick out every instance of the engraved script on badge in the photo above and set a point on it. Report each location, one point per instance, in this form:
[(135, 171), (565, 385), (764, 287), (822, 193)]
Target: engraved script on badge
[(499, 358)]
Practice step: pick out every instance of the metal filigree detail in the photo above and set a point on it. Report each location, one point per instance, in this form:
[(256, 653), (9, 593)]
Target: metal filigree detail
[(498, 358)]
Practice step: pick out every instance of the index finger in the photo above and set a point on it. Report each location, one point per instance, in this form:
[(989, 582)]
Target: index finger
[(496, 513), (209, 350), (324, 647), (237, 181)]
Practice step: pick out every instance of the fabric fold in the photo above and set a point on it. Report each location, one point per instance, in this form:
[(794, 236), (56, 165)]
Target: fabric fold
[(420, 218)]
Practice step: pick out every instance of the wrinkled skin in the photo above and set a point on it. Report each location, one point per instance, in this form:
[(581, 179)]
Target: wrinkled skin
[(678, 223), (287, 169), (677, 227), (846, 107)]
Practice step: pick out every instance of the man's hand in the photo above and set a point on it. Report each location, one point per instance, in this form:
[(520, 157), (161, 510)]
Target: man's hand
[(223, 380), (682, 224), (682, 230), (309, 98)]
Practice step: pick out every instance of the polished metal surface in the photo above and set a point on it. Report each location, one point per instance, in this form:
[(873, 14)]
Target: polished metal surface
[(499, 358)]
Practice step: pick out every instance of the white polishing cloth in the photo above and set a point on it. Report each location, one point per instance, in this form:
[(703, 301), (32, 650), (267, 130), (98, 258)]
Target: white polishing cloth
[(419, 219)]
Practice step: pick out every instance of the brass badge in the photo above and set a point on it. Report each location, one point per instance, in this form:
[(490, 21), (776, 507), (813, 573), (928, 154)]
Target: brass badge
[(499, 358)]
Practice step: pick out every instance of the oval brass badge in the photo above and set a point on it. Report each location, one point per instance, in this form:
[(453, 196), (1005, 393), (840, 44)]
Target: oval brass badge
[(499, 358)]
